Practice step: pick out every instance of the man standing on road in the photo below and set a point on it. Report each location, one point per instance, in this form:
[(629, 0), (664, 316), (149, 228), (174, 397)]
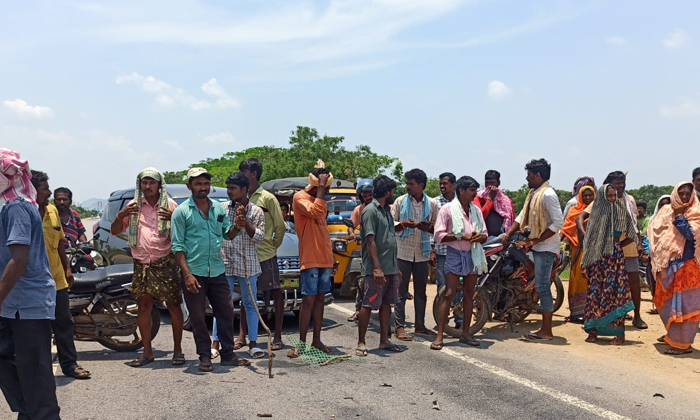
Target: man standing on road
[(62, 325), (241, 254), (417, 214), (156, 277), (275, 228), (315, 254), (365, 192), (542, 214), (72, 225), (199, 226), (496, 207), (379, 257), (27, 297), (439, 254)]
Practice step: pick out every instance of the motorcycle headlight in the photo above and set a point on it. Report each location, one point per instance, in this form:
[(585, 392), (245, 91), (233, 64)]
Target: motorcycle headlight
[(340, 246)]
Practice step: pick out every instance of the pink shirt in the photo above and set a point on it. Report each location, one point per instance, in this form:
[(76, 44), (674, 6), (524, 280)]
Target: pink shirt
[(443, 226), (151, 245)]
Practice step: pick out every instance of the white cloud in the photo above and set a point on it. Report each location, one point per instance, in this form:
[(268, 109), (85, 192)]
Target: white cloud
[(219, 138), (24, 110), (675, 39), (617, 41), (498, 90), (687, 108), (169, 96)]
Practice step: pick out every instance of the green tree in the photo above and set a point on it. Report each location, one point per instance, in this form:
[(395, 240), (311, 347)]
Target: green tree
[(518, 196), (650, 194), (306, 146)]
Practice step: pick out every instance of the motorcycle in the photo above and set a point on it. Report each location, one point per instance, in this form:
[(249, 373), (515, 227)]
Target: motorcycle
[(504, 292), (101, 303)]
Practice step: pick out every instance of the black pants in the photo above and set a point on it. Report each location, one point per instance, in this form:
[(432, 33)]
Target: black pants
[(62, 328), (26, 375), (419, 271), (217, 290)]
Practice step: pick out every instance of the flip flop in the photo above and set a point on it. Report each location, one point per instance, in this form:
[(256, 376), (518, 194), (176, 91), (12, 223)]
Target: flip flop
[(256, 353), (437, 345), (641, 325), (277, 345), (205, 366), (661, 339), (324, 349), (214, 353), (392, 347), (361, 352), (402, 335), (237, 345), (426, 331), (178, 359), (293, 353), (141, 360), (78, 373), (534, 337), (469, 341), (353, 318), (677, 352), (236, 361)]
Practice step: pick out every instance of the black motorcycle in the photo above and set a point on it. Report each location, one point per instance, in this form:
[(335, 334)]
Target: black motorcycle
[(503, 293), (101, 303)]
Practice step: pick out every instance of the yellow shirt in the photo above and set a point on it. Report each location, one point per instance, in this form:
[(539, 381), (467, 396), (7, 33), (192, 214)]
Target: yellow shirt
[(53, 235)]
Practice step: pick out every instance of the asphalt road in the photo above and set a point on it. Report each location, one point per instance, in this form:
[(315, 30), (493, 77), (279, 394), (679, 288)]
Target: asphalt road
[(504, 378)]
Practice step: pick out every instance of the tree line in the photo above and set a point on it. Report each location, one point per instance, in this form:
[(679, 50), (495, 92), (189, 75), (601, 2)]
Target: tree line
[(306, 146)]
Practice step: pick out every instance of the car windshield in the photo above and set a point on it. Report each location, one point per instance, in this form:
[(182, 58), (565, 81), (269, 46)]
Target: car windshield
[(341, 202)]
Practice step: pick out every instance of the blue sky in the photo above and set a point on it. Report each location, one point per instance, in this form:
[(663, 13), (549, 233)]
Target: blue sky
[(92, 92)]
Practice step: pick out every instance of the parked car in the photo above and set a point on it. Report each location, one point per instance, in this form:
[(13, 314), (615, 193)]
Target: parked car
[(116, 250)]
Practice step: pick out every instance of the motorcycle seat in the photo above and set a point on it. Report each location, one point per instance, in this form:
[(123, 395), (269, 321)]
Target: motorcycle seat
[(493, 248), (93, 281)]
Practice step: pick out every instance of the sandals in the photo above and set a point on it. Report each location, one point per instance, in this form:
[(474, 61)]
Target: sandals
[(293, 353), (402, 335), (78, 373), (425, 331), (436, 345), (179, 359), (324, 348), (141, 360), (535, 337), (354, 317), (277, 345), (361, 352), (214, 353), (205, 365), (640, 325), (256, 353), (469, 341), (617, 341), (677, 352), (661, 339), (237, 345), (236, 361), (392, 347), (592, 337)]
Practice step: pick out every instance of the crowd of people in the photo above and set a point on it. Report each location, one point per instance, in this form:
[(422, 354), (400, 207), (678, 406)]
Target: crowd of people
[(198, 251)]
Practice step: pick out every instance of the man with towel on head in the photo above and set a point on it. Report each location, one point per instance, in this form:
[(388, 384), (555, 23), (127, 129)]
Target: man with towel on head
[(156, 275), (315, 253), (27, 296)]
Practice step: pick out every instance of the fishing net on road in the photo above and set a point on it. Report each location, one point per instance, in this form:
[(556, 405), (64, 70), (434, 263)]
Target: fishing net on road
[(313, 356)]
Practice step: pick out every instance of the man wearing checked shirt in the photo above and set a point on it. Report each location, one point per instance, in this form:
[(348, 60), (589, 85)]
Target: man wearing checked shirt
[(198, 227)]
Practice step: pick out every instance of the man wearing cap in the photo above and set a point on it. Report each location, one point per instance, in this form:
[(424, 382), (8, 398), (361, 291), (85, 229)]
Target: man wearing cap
[(198, 228), (27, 297), (315, 254), (156, 277)]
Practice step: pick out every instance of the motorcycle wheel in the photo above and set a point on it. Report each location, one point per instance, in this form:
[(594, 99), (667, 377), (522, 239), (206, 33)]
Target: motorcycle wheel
[(480, 313), (129, 307), (557, 288)]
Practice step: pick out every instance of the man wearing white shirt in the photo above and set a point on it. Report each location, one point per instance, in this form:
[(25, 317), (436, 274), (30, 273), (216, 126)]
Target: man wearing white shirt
[(542, 214)]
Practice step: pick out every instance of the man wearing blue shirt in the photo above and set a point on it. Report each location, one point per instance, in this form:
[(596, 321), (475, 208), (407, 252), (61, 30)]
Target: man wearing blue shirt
[(198, 227), (27, 297)]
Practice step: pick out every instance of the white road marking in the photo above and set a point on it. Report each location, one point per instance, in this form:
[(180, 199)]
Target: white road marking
[(556, 394)]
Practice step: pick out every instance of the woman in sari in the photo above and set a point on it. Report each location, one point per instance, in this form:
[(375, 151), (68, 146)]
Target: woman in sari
[(674, 238), (578, 285), (603, 263)]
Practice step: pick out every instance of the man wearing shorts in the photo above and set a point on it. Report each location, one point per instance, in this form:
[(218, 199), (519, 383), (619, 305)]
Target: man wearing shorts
[(275, 227), (315, 254), (156, 276), (379, 257)]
